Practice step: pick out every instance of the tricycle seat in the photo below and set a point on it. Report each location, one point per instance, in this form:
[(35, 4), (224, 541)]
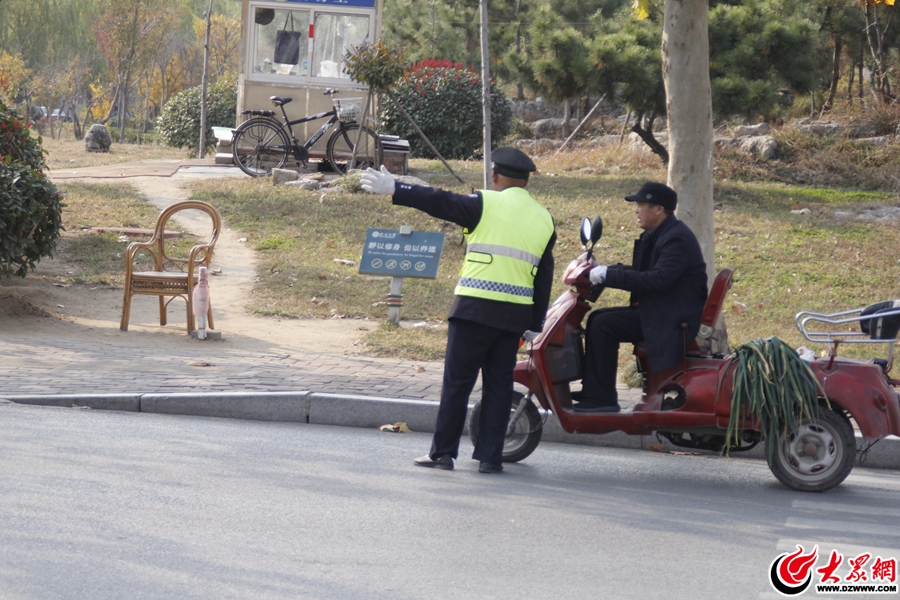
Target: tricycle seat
[(884, 323)]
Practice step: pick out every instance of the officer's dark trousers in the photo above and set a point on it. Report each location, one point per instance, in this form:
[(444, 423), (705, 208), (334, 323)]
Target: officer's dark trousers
[(606, 329), (470, 347)]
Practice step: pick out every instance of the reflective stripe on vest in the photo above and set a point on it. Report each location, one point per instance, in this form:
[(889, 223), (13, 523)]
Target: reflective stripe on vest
[(505, 248)]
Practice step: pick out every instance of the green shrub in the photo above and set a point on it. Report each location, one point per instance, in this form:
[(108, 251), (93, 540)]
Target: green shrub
[(445, 101), (30, 205), (179, 123)]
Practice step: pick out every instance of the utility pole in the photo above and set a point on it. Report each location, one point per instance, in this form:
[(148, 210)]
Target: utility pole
[(486, 93), (205, 84)]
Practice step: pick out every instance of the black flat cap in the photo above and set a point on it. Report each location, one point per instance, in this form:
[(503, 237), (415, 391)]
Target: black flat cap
[(655, 193), (513, 163)]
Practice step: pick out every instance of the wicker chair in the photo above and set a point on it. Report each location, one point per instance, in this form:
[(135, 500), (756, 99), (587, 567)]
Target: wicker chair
[(173, 277)]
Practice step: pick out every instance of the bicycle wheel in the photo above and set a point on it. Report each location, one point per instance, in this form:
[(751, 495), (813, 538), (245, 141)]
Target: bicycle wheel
[(259, 145), (340, 148)]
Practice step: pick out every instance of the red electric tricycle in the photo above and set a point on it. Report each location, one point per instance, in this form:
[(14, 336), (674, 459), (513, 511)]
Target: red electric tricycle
[(690, 404)]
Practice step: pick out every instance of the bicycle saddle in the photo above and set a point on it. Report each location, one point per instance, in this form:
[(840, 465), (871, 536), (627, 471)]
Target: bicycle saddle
[(279, 101)]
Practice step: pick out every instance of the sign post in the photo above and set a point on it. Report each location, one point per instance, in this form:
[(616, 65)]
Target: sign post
[(403, 253)]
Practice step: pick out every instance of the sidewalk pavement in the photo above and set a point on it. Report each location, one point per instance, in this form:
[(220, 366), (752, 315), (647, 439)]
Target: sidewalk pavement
[(219, 380), (228, 382)]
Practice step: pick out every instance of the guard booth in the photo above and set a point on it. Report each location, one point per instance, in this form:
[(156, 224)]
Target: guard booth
[(296, 49)]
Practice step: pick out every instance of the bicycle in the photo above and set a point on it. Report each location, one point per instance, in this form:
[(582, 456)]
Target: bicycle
[(262, 143)]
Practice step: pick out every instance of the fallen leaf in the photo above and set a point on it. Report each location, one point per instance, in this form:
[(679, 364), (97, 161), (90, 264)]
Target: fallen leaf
[(682, 453), (658, 448), (420, 369), (399, 427), (322, 277), (200, 363), (739, 307)]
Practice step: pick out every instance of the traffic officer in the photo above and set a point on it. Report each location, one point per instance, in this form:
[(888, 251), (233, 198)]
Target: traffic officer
[(501, 296)]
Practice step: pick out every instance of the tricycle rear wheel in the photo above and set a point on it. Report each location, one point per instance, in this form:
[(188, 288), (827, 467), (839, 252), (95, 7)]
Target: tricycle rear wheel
[(818, 456), (525, 435)]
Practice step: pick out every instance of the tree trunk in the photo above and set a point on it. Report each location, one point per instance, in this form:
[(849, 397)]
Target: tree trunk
[(850, 74), (685, 62), (835, 71)]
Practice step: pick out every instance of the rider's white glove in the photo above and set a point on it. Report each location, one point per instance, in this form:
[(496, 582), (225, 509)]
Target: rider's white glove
[(378, 182), (529, 336), (598, 275)]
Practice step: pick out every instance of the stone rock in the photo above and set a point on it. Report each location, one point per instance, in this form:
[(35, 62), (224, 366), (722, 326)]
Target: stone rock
[(534, 110), (758, 129), (282, 176), (860, 131), (304, 184), (535, 147), (854, 131), (822, 128), (881, 140), (97, 139), (551, 128), (726, 143), (763, 146), (604, 140), (637, 142)]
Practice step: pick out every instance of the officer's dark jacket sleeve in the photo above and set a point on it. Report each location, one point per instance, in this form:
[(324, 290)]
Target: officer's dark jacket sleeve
[(462, 209)]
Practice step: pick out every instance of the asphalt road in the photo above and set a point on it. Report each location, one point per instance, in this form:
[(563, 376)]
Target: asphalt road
[(102, 504)]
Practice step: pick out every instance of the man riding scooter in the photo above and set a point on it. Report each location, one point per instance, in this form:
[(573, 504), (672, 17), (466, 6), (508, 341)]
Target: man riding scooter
[(668, 284)]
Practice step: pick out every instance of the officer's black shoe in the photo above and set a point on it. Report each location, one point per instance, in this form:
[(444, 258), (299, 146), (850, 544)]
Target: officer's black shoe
[(486, 467), (444, 462)]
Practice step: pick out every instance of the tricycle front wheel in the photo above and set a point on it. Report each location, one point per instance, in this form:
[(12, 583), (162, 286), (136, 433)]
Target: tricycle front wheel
[(525, 434), (816, 457)]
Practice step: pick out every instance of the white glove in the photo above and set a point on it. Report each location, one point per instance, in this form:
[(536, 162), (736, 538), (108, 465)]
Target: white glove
[(378, 183), (598, 275), (529, 336)]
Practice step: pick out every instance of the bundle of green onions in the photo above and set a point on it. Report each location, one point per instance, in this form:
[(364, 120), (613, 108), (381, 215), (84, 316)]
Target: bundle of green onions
[(771, 383)]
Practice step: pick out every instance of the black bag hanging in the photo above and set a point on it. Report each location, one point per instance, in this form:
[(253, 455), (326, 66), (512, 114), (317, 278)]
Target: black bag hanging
[(287, 44)]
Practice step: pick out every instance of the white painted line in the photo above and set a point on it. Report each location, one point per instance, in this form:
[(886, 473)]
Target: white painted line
[(848, 508), (844, 526), (888, 479)]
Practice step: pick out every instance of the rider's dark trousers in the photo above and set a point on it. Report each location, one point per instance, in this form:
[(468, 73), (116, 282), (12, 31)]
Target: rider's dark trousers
[(606, 329), (472, 347)]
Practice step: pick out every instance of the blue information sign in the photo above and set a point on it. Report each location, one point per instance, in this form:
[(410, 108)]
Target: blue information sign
[(389, 252), (365, 3)]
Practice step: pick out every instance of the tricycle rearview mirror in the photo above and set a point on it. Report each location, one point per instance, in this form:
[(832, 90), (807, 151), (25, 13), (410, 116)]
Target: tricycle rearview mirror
[(585, 231), (596, 229)]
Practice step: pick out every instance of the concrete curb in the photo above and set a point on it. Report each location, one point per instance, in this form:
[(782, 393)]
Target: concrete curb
[(372, 412)]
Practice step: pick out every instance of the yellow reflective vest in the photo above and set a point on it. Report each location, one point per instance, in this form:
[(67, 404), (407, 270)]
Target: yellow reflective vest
[(504, 250)]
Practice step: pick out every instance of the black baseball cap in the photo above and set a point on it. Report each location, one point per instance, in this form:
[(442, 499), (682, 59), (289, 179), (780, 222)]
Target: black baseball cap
[(511, 162), (655, 193)]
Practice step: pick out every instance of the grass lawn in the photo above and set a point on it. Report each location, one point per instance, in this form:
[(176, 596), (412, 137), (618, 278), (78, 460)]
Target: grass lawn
[(783, 262)]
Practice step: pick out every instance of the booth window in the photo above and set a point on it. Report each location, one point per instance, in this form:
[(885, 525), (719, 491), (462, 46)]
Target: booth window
[(335, 34), (282, 45)]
